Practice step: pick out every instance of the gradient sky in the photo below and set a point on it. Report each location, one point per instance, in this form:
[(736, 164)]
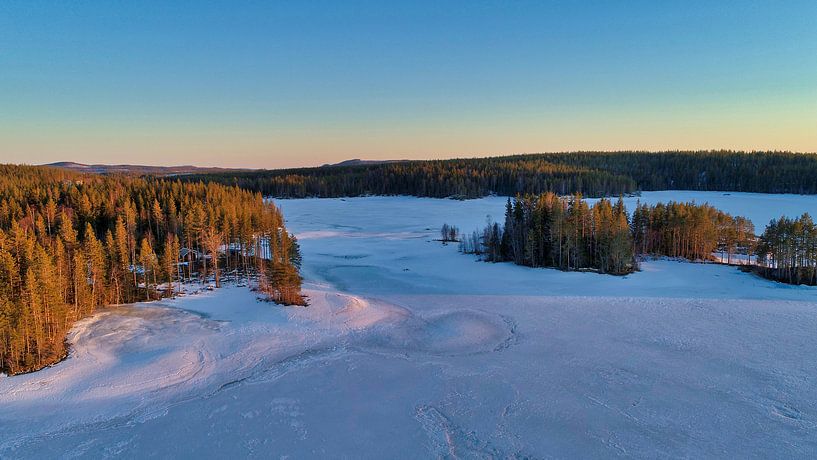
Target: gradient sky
[(276, 84)]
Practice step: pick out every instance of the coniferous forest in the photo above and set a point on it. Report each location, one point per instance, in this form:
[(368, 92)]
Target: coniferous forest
[(71, 243), (593, 174), (787, 251), (566, 233)]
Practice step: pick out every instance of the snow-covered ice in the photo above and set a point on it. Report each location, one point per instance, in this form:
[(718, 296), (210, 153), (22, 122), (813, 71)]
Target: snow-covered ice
[(409, 349)]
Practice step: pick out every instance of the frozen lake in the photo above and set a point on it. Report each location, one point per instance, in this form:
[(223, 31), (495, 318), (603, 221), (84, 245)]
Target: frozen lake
[(411, 350)]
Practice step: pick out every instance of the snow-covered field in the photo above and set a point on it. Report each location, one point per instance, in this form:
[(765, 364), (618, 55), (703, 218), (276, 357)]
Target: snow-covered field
[(411, 350)]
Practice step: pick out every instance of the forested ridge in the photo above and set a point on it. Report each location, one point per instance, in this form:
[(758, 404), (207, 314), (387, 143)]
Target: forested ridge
[(71, 243), (593, 174)]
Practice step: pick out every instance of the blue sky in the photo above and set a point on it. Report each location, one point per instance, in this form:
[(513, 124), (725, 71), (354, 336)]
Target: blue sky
[(273, 84)]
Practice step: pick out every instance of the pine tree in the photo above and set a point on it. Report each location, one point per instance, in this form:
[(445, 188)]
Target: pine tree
[(212, 240), (170, 259), (158, 217), (147, 260), (124, 269), (95, 255)]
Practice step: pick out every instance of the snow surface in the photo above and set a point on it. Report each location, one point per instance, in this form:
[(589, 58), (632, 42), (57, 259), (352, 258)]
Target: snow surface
[(409, 349)]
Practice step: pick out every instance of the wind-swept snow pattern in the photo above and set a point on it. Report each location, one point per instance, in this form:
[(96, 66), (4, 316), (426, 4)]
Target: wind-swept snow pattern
[(411, 350)]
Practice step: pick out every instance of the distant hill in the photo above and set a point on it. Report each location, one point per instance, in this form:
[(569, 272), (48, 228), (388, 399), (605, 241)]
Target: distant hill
[(183, 170), (139, 169), (359, 162)]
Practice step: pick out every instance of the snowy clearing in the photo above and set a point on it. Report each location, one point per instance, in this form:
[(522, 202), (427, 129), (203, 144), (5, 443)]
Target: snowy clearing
[(409, 350)]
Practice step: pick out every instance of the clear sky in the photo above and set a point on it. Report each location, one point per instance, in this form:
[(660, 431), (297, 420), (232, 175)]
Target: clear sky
[(275, 84)]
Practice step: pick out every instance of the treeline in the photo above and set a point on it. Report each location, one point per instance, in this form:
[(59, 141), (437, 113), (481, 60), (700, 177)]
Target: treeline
[(721, 170), (71, 243), (469, 178), (593, 174), (567, 233), (787, 250)]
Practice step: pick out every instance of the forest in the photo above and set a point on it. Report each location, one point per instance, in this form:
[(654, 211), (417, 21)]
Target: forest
[(593, 174), (787, 251), (566, 233), (73, 243)]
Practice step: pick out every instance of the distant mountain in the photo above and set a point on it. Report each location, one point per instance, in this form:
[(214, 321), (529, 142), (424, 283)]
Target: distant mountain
[(139, 169), (359, 162)]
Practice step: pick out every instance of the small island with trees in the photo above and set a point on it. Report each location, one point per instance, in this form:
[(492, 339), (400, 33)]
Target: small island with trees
[(566, 233)]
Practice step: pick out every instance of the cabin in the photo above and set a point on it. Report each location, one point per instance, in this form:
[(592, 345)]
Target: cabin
[(186, 254), (194, 255)]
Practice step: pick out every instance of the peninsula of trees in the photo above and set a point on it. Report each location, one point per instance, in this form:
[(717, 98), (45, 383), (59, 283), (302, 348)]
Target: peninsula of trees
[(566, 233), (71, 243), (593, 174)]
